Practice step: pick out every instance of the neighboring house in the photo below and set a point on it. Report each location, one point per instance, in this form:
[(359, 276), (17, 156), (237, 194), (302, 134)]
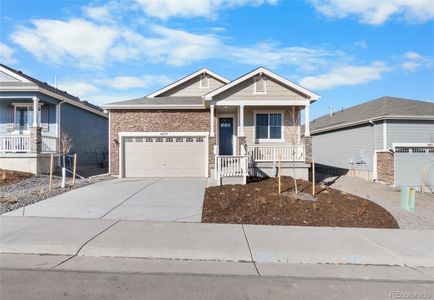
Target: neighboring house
[(204, 125), (32, 115), (388, 139)]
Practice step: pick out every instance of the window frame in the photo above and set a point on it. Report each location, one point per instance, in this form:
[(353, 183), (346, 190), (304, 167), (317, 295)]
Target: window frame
[(282, 122), (201, 86), (28, 106), (255, 82)]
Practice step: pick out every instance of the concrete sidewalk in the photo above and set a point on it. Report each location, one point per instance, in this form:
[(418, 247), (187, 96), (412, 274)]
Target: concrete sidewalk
[(216, 242)]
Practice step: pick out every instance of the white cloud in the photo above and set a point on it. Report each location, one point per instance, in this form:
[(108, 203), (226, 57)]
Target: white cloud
[(346, 75), (77, 88), (55, 40), (377, 12), (361, 44), (413, 61), (165, 9), (128, 82), (97, 13), (7, 54)]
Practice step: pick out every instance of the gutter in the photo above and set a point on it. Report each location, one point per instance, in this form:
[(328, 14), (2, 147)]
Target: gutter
[(142, 106), (391, 117)]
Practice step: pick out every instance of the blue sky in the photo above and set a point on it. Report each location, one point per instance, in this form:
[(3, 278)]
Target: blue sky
[(103, 51)]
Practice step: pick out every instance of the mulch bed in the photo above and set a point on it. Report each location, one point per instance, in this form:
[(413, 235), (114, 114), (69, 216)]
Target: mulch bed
[(259, 203), (8, 177)]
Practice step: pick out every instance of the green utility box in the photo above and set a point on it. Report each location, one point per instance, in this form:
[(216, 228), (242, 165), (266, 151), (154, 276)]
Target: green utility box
[(408, 198)]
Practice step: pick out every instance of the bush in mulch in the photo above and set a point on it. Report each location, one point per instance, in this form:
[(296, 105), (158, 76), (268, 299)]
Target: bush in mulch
[(259, 203)]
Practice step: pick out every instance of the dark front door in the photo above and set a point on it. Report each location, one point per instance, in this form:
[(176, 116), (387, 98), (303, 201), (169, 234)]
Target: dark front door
[(226, 130)]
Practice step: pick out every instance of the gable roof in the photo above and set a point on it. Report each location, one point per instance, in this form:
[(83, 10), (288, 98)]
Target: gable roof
[(382, 108), (159, 103), (187, 78), (28, 81), (261, 70)]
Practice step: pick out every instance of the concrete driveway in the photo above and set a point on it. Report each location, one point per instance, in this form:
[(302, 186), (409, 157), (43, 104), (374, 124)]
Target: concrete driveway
[(149, 199)]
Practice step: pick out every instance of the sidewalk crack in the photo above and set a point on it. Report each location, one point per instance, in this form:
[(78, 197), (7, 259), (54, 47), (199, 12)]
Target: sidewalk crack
[(85, 243), (250, 250)]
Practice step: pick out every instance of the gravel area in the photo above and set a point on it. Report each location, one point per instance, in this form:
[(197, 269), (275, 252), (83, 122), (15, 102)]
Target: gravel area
[(35, 189), (389, 198)]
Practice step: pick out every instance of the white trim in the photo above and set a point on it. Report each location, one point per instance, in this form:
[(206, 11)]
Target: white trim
[(374, 167), (122, 135), (257, 102), (385, 134), (14, 75), (212, 120), (255, 84), (27, 105), (138, 106), (222, 116), (388, 117), (416, 145), (109, 144), (282, 124), (307, 120), (203, 76), (312, 96), (187, 78)]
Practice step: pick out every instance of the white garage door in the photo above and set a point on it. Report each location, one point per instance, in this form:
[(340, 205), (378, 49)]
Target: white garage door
[(164, 156), (409, 163)]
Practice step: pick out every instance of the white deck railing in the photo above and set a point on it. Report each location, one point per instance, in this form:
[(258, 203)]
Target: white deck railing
[(231, 166), (276, 153), (14, 143), (49, 144)]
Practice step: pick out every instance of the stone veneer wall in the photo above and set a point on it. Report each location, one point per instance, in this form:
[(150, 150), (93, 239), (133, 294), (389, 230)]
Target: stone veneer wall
[(154, 121), (307, 140), (385, 167)]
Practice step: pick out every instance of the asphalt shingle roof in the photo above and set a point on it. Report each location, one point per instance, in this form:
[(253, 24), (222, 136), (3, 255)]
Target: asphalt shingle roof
[(46, 86), (162, 101), (381, 107)]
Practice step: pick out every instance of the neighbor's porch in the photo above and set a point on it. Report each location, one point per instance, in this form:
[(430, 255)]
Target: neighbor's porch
[(252, 138), (28, 124)]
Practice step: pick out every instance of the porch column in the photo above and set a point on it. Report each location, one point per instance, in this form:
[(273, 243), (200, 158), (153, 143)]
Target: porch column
[(306, 119), (35, 131), (35, 112), (212, 120), (241, 110)]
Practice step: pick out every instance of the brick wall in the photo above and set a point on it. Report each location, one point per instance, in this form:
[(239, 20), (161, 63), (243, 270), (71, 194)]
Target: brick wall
[(385, 167), (152, 121), (307, 140)]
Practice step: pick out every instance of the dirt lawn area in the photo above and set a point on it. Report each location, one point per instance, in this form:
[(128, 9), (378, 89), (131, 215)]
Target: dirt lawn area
[(260, 203), (9, 177)]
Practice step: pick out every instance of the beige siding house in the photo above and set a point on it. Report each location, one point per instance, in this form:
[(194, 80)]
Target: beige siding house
[(204, 125)]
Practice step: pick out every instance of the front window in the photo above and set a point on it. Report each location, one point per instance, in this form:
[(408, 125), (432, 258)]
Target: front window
[(24, 117), (269, 126)]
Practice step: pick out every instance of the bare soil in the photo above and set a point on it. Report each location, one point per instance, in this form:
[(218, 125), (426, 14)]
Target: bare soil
[(259, 203), (9, 177)]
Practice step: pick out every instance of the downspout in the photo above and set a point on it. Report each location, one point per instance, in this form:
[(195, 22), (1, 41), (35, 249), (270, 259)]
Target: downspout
[(374, 163), (58, 115)]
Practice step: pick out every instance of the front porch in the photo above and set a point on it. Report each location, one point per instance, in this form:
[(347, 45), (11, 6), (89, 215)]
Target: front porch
[(28, 132), (251, 140)]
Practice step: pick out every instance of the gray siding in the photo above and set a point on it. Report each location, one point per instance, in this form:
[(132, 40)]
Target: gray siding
[(89, 133), (402, 131), (192, 88), (338, 148)]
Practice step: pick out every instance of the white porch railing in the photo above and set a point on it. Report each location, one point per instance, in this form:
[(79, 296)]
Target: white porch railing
[(14, 143), (49, 144), (274, 153), (231, 166)]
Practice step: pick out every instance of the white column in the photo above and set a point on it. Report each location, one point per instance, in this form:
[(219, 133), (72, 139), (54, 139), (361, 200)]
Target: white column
[(241, 133), (35, 112), (306, 120), (212, 120)]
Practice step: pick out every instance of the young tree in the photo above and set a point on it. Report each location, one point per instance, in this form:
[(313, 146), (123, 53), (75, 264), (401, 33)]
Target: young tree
[(65, 144), (294, 139)]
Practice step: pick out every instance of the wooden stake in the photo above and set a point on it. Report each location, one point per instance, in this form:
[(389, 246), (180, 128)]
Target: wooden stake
[(279, 175), (313, 177), (74, 169), (51, 171)]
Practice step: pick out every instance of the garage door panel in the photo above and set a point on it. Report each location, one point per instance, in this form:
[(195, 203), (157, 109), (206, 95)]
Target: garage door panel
[(409, 164), (165, 157)]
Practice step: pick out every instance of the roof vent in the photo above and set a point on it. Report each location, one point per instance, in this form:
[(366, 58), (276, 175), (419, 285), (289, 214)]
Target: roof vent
[(331, 110)]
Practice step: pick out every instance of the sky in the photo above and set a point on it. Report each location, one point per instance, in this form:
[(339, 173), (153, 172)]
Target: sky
[(346, 51)]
